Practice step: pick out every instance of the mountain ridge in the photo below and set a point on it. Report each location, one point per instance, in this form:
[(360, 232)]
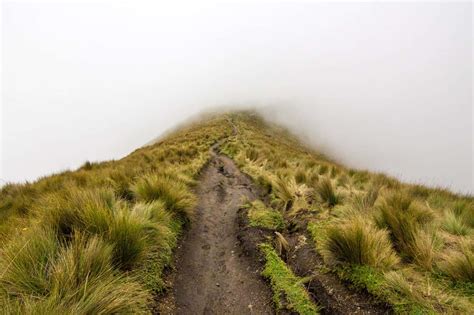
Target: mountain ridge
[(319, 237)]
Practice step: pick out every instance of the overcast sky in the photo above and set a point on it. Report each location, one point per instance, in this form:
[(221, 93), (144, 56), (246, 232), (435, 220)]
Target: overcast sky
[(383, 86)]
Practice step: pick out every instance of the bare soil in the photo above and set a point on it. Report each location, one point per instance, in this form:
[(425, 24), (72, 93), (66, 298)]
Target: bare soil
[(213, 275)]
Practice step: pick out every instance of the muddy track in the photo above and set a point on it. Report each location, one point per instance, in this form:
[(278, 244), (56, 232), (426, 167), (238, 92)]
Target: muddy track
[(213, 275)]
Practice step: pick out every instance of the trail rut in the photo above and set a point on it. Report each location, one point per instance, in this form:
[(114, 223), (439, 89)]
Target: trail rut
[(213, 276)]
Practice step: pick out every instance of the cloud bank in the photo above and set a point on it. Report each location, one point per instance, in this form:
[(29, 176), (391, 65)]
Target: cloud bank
[(382, 86)]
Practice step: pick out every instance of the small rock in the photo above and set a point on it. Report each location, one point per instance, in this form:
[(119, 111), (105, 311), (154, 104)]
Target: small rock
[(217, 284)]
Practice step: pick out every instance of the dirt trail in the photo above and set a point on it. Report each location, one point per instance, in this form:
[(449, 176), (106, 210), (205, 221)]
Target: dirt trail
[(213, 276)]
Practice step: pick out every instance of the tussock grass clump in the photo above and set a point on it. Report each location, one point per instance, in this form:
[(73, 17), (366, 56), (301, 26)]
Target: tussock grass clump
[(300, 176), (454, 224), (252, 154), (24, 263), (45, 276), (342, 181), (282, 189), (359, 177), (86, 266), (142, 231), (285, 283), (288, 195), (161, 239), (97, 212), (382, 180), (174, 193), (406, 219), (459, 264), (327, 193), (90, 210), (83, 257), (120, 181), (313, 178), (367, 200), (323, 169), (309, 163), (128, 235), (419, 191), (397, 283), (261, 216), (424, 248), (16, 199), (464, 210), (357, 241)]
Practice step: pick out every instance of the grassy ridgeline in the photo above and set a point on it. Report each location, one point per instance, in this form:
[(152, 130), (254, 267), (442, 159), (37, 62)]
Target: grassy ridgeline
[(96, 240), (410, 246)]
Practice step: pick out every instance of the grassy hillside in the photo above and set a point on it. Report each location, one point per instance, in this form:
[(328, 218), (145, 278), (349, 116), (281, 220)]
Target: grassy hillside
[(408, 245), (97, 239)]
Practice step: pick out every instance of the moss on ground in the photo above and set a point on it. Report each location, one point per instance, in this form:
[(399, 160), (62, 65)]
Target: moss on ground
[(288, 289)]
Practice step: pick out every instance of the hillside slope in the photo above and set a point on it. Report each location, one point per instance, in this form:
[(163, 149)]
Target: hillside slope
[(258, 222)]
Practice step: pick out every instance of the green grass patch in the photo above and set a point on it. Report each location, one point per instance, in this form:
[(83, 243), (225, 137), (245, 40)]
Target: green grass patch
[(263, 217), (286, 286), (375, 282)]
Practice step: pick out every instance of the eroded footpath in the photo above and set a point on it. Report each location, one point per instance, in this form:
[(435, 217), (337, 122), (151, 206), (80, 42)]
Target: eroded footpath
[(213, 276)]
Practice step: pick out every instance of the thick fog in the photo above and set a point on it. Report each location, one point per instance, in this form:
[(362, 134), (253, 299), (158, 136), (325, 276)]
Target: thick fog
[(380, 86)]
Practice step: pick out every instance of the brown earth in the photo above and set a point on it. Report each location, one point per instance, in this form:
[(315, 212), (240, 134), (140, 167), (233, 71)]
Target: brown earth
[(213, 275)]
